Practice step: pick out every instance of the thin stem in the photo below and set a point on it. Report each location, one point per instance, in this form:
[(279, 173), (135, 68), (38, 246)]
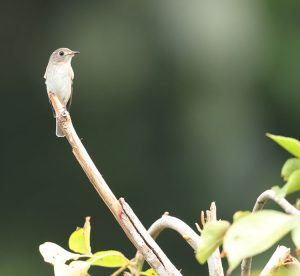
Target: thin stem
[(281, 201), (119, 271), (278, 257), (165, 222), (214, 262), (130, 224), (189, 235)]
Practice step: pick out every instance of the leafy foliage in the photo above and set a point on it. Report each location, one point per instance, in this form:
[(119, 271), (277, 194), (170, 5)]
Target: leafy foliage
[(79, 242), (292, 145), (109, 258), (248, 235), (252, 234), (212, 237), (291, 165), (291, 168)]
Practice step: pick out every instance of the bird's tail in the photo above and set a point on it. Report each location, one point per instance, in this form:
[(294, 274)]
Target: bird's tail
[(59, 132)]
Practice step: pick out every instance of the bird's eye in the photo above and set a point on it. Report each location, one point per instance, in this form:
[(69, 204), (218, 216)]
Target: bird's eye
[(61, 53)]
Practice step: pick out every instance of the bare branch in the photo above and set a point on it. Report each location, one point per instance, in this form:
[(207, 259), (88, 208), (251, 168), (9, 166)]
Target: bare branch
[(131, 225), (260, 202), (278, 257), (165, 222), (281, 201), (214, 262), (192, 238), (187, 233)]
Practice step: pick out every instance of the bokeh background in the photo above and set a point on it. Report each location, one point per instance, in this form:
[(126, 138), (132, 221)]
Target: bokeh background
[(172, 100)]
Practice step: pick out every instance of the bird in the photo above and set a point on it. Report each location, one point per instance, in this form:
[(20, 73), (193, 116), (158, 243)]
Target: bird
[(59, 77)]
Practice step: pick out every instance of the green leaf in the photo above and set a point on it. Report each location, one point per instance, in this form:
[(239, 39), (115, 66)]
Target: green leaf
[(293, 184), (211, 238), (290, 144), (109, 258), (149, 272), (79, 240), (255, 233), (289, 167), (296, 236)]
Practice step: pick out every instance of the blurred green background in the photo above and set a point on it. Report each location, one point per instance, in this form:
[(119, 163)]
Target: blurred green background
[(172, 100)]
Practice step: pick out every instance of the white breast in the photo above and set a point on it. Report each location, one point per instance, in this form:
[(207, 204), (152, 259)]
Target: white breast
[(59, 80)]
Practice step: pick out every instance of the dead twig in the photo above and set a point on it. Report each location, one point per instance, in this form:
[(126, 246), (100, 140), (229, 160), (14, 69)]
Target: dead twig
[(214, 262), (189, 235), (278, 257), (130, 224)]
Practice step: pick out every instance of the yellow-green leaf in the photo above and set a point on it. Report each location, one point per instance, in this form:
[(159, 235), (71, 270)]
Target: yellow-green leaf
[(255, 233), (149, 272), (109, 258), (293, 184), (290, 144), (79, 240), (289, 167), (211, 238)]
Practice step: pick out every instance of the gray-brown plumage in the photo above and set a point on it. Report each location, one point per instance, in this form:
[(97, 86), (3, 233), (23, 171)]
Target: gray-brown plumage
[(59, 77)]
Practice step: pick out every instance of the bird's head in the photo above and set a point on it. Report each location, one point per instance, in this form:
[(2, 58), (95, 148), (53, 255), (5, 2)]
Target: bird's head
[(63, 55)]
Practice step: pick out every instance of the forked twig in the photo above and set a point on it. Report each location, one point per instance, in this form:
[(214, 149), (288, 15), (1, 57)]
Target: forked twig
[(129, 222), (169, 222), (192, 238)]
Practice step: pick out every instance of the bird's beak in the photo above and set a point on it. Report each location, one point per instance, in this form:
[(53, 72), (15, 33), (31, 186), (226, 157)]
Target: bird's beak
[(73, 53)]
